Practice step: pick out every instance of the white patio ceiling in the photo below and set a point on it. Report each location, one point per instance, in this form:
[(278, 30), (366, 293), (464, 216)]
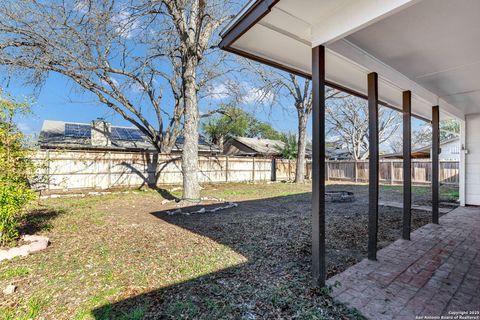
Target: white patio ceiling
[(431, 47)]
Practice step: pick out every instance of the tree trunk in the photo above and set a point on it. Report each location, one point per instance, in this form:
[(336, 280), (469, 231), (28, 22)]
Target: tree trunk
[(191, 186), (220, 142), (302, 144)]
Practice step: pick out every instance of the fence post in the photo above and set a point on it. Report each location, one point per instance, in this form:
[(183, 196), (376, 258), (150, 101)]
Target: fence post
[(355, 169), (109, 172), (253, 169), (414, 175), (48, 169), (392, 171), (307, 175), (226, 169), (442, 169), (289, 169), (145, 160), (327, 170)]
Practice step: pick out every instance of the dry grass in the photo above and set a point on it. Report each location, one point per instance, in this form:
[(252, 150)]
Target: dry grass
[(120, 256)]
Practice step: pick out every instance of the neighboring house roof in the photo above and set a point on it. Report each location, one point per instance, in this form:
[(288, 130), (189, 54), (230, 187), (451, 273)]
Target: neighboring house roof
[(74, 135), (257, 146), (422, 152), (337, 153)]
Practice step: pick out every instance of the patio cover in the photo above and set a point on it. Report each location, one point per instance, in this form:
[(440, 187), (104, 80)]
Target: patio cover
[(420, 57), (430, 47)]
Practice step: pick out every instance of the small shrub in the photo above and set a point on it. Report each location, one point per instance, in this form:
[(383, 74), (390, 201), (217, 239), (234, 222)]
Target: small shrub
[(14, 195), (15, 169)]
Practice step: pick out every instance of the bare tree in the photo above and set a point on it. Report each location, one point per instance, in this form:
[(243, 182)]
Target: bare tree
[(348, 122), (128, 54), (282, 84), (420, 138), (422, 135)]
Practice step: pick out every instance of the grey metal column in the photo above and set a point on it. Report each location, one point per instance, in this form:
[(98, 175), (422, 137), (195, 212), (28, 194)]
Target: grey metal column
[(407, 164), (318, 166), (435, 162), (372, 165)]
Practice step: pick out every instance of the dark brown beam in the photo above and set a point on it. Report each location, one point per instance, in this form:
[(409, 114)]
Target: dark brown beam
[(372, 165), (318, 166), (435, 162), (308, 76), (267, 62), (407, 164)]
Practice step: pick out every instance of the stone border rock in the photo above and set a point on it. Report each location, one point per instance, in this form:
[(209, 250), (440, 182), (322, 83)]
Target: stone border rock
[(37, 243), (339, 196), (203, 210)]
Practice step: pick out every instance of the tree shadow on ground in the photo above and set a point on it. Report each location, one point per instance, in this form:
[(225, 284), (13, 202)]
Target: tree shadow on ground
[(272, 281), (38, 220), (166, 194)]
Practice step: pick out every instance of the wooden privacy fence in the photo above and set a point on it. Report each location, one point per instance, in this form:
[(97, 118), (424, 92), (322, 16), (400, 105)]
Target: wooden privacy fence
[(72, 170), (75, 170), (391, 171)]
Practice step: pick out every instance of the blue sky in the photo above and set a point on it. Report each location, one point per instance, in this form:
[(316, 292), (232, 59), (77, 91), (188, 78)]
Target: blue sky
[(60, 99), (57, 99)]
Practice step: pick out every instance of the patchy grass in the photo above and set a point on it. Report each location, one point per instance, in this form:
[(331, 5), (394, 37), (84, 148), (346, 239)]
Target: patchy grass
[(14, 272), (421, 195), (119, 256), (246, 191), (454, 194), (415, 189), (101, 251), (29, 309)]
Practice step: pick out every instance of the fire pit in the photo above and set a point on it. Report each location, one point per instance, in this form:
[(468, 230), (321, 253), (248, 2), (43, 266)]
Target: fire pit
[(339, 196)]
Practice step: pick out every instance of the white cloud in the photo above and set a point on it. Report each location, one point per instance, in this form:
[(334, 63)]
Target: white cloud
[(136, 88), (82, 6), (113, 80), (126, 25), (249, 95), (218, 92), (257, 96)]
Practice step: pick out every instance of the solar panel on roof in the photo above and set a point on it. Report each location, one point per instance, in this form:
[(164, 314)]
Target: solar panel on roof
[(135, 134), (77, 130), (126, 134)]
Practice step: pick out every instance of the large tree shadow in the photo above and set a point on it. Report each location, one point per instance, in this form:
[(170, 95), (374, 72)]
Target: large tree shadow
[(275, 280)]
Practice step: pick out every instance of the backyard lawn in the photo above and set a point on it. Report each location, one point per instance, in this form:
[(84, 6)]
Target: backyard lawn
[(122, 256)]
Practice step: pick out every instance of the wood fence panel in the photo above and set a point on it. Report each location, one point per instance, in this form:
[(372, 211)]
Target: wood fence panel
[(421, 172), (341, 170), (391, 171), (362, 168), (78, 170)]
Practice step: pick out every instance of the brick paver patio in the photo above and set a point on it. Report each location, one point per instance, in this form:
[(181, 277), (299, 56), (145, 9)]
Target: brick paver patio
[(435, 273)]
